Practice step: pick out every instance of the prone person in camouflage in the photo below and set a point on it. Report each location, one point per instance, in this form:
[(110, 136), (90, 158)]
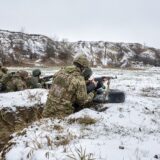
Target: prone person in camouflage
[(16, 82), (1, 75), (4, 70), (68, 87), (34, 81)]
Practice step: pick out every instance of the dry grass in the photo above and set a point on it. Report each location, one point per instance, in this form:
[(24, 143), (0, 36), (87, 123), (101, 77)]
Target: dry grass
[(80, 154), (50, 142), (21, 133), (147, 89), (149, 92), (58, 128), (86, 120), (64, 140)]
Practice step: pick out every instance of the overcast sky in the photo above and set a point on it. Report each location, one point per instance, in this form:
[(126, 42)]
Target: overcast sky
[(108, 20)]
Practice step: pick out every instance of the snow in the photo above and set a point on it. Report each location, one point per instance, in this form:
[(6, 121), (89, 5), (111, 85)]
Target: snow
[(26, 98), (30, 43), (148, 54), (100, 53), (125, 131)]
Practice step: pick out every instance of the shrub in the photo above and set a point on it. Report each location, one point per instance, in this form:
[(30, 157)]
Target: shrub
[(86, 120)]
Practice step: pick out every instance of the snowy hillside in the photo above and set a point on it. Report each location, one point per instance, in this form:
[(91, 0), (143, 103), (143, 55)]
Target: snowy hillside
[(127, 131), (18, 48)]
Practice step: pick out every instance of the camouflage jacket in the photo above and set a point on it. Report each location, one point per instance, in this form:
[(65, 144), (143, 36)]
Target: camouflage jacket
[(33, 82), (68, 87), (15, 84)]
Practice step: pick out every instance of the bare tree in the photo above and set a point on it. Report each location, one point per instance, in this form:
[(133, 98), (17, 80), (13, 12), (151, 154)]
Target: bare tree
[(66, 51)]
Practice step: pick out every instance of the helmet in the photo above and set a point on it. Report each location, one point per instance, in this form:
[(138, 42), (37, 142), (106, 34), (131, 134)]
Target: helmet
[(87, 72), (36, 72), (4, 70), (22, 73), (82, 60)]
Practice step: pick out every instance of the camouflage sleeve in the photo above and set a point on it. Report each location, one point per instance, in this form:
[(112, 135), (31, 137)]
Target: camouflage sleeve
[(81, 93)]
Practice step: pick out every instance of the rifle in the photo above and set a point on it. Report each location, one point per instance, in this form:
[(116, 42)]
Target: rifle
[(101, 80), (101, 97), (101, 90), (46, 78), (46, 81), (100, 83)]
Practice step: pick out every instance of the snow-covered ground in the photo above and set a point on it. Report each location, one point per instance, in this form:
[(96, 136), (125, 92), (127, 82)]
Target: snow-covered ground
[(26, 98), (126, 131)]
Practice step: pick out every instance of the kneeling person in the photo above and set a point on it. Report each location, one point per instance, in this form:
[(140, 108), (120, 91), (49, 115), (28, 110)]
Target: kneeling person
[(68, 88)]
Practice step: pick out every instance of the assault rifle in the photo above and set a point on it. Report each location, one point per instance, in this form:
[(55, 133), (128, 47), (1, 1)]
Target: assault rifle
[(46, 78), (46, 81), (102, 91), (102, 80), (100, 83)]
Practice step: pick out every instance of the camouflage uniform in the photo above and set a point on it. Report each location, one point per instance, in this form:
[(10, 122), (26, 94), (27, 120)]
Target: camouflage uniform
[(17, 82), (68, 87), (34, 81), (4, 70)]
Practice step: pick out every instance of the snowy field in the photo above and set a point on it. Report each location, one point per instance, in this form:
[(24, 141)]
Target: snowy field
[(126, 131)]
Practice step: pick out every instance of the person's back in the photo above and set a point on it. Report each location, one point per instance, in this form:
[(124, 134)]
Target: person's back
[(34, 80), (15, 84), (67, 88), (5, 80)]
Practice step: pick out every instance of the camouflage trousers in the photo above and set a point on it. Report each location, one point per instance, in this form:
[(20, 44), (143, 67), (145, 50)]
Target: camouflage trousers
[(57, 110)]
